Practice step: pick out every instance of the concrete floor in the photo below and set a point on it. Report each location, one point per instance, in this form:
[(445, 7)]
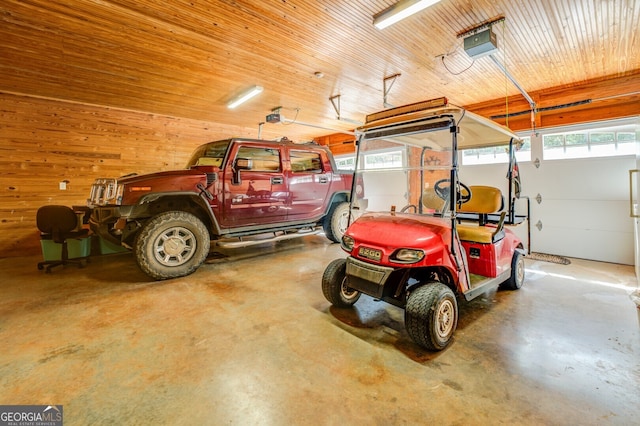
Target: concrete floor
[(249, 339)]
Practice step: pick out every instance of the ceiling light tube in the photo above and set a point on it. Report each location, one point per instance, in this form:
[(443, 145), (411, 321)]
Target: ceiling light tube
[(245, 96), (399, 11)]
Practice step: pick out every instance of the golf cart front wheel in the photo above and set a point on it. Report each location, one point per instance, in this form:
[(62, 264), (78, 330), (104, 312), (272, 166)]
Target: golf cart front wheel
[(431, 316), (334, 285)]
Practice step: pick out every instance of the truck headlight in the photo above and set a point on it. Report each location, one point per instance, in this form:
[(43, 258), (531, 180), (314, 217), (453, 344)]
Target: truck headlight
[(347, 243), (407, 256)]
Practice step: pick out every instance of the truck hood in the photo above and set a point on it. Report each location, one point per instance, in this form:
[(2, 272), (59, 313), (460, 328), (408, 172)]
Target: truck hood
[(130, 179), (136, 187), (388, 230)]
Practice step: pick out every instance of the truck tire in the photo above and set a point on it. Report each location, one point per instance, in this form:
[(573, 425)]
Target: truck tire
[(516, 279), (334, 285), (431, 316), (336, 222), (172, 244)]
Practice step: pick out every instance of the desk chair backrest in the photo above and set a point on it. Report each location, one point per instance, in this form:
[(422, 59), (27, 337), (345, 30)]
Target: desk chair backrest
[(57, 221)]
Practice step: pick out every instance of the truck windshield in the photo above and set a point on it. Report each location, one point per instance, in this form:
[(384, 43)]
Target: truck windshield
[(209, 154)]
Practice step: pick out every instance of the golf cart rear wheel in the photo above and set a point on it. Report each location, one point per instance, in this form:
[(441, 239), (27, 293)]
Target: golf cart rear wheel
[(516, 279), (334, 285), (431, 316)]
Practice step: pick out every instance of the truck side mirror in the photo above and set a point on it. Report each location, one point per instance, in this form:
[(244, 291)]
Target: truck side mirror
[(241, 164)]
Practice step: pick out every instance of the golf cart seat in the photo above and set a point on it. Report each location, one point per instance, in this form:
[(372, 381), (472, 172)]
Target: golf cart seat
[(484, 200)]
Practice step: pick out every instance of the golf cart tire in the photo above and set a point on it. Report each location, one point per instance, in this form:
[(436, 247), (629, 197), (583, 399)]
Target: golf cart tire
[(431, 316), (516, 279), (334, 285), (334, 224)]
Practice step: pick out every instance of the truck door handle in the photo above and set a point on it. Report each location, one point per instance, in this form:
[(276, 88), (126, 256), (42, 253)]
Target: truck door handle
[(323, 179), (277, 180)]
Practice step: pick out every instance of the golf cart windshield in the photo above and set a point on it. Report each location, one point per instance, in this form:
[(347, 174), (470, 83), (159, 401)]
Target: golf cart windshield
[(407, 156)]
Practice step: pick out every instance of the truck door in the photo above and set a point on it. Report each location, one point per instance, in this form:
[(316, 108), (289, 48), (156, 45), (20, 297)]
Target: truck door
[(255, 187), (309, 184)]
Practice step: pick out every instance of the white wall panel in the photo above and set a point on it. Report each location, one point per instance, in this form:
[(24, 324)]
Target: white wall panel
[(584, 210), (384, 189)]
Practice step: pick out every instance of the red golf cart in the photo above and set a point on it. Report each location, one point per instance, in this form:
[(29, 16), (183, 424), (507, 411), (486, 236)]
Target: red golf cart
[(426, 239)]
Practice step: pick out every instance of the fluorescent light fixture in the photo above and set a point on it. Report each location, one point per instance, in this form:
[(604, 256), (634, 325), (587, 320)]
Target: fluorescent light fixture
[(244, 97), (399, 11)]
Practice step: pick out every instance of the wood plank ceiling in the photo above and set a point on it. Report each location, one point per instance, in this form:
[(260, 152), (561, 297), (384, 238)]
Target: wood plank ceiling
[(188, 58)]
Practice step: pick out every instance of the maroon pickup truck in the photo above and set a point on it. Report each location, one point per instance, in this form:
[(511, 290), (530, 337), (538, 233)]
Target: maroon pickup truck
[(230, 190)]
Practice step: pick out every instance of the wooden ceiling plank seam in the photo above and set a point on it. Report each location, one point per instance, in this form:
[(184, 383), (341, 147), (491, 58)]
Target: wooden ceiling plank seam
[(580, 23), (624, 44), (567, 35), (536, 47), (276, 33), (93, 15), (571, 31)]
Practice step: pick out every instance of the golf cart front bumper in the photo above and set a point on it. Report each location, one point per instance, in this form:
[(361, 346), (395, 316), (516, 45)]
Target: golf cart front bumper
[(367, 278)]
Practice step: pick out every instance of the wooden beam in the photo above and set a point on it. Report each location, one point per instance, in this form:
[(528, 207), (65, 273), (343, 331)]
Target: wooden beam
[(594, 100), (338, 143)]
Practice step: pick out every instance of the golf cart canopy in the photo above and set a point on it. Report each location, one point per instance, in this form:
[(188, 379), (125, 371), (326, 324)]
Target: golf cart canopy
[(425, 138), (427, 119)]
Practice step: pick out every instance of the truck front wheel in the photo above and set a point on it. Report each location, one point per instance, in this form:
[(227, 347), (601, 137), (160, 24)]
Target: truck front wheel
[(334, 285), (171, 244), (431, 316), (336, 222)]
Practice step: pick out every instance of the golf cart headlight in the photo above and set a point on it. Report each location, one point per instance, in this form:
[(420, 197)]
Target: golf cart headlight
[(407, 256), (347, 243)]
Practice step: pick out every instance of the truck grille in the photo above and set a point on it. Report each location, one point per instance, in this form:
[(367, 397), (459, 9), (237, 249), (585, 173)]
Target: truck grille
[(104, 192)]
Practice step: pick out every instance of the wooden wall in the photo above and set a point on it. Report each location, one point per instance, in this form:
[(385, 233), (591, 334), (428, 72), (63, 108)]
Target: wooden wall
[(44, 142)]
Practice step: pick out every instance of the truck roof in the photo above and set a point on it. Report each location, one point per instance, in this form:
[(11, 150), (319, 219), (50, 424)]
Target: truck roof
[(281, 142)]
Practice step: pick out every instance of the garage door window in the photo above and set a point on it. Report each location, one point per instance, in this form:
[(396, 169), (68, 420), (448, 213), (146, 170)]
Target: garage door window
[(346, 162), (496, 154), (590, 143), (372, 161), (383, 160)]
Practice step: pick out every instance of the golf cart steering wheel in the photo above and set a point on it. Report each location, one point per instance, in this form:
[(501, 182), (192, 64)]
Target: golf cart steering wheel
[(442, 186)]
